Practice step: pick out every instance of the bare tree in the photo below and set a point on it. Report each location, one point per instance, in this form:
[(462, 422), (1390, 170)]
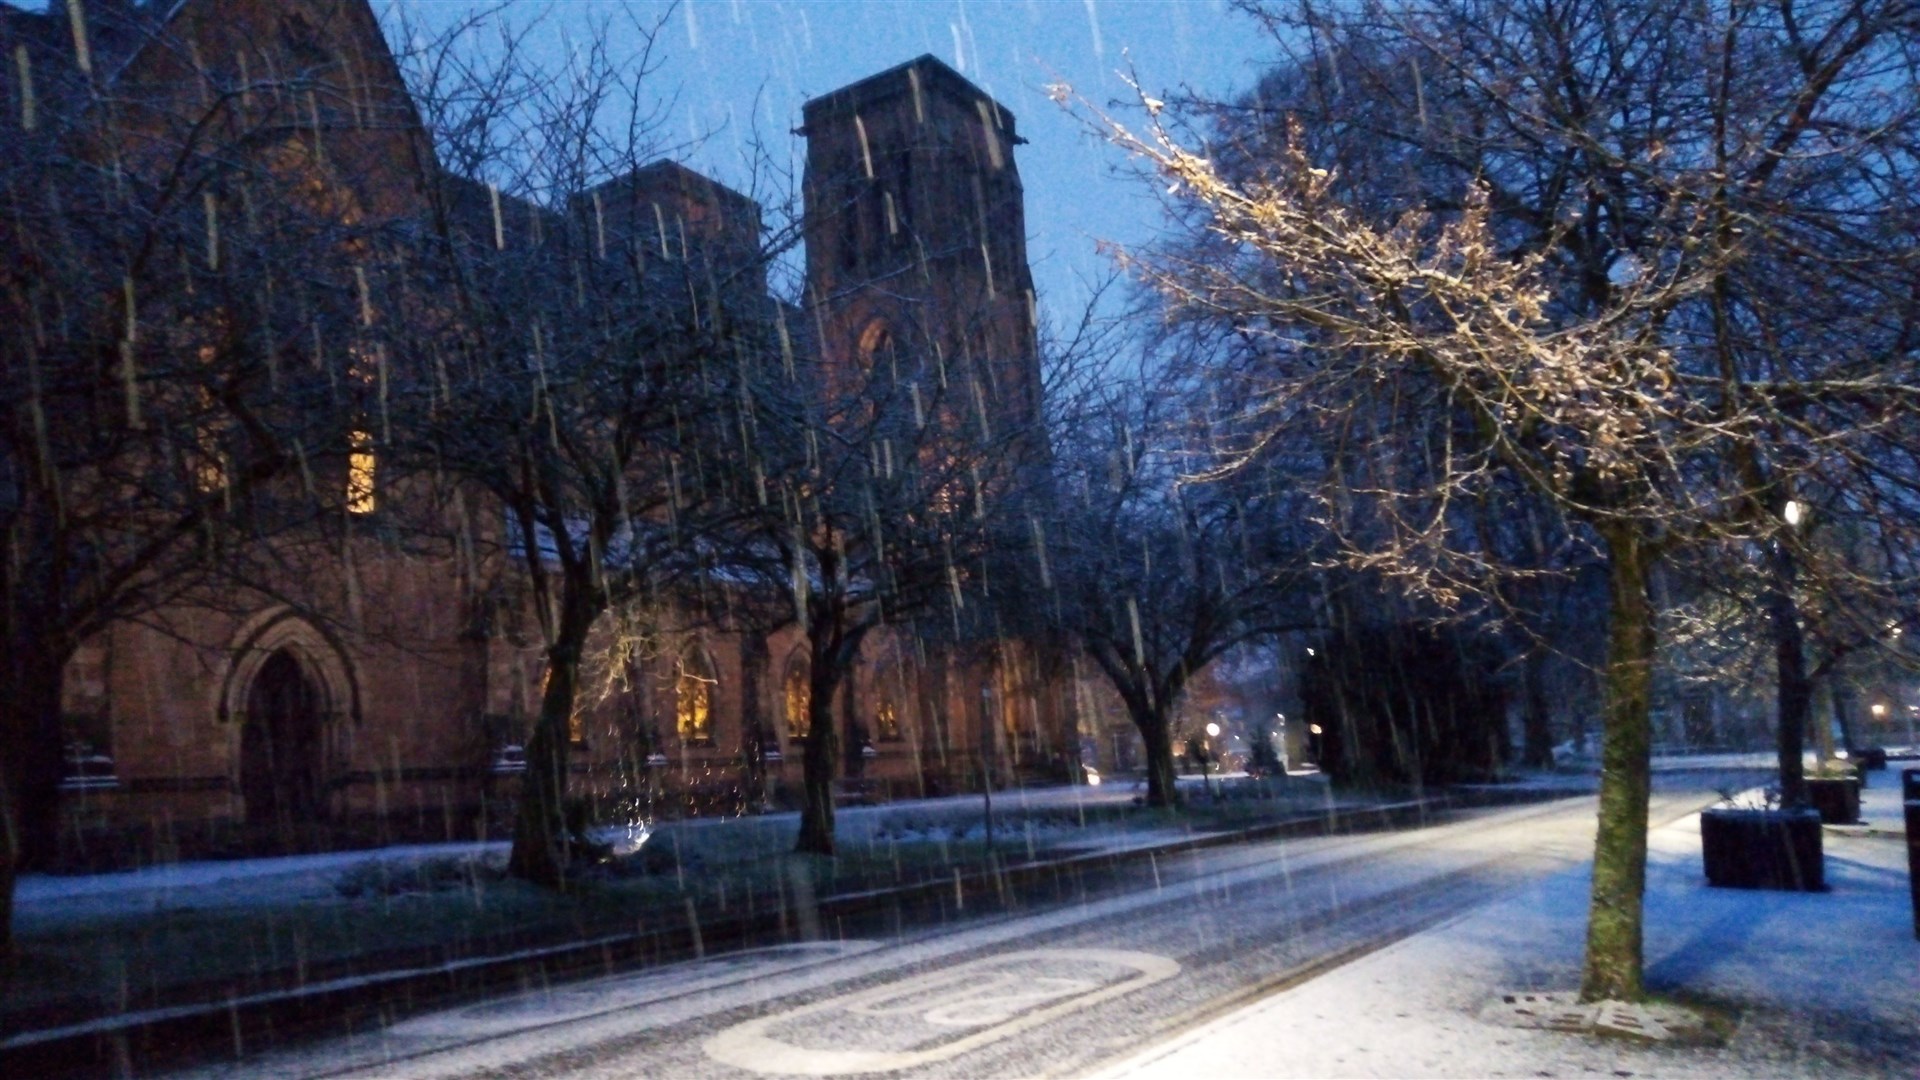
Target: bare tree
[(876, 494), (190, 256), (1653, 263), (1155, 577), (599, 317)]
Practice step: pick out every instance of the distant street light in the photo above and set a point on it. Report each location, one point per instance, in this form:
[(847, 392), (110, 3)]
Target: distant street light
[(1794, 511), (1213, 730)]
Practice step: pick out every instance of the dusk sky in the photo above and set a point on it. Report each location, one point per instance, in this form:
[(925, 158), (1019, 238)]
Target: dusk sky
[(722, 55)]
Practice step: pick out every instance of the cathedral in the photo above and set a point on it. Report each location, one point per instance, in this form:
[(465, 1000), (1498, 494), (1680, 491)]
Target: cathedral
[(200, 727)]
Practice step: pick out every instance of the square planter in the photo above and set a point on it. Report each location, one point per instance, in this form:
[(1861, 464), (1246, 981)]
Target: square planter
[(1838, 800), (1763, 849)]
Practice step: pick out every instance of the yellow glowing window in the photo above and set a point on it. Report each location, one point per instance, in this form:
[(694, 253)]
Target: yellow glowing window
[(887, 720), (361, 466), (799, 697), (693, 700), (210, 472)]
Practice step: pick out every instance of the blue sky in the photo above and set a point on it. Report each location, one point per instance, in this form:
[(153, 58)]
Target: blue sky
[(721, 56)]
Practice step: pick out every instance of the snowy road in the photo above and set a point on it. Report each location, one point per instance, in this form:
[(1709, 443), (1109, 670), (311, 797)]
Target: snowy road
[(1055, 991)]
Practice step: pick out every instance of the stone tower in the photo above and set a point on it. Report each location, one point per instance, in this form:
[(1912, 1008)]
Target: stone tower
[(916, 232)]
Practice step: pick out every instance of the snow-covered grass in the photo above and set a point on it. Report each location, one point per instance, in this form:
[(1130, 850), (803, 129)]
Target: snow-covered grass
[(1816, 985), (227, 881)]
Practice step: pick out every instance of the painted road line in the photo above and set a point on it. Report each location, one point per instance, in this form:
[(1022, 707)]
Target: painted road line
[(917, 1021)]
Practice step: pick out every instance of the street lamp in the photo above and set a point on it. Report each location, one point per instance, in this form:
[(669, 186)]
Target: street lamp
[(1795, 511), (1206, 764)]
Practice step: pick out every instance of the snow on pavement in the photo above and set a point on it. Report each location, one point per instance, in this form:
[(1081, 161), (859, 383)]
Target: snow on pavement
[(1823, 984)]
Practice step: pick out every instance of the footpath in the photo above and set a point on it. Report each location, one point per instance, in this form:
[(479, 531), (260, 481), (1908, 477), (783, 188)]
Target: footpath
[(1812, 985)]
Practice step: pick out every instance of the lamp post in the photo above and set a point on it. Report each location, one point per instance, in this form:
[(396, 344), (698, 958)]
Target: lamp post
[(1794, 691), (1206, 765)]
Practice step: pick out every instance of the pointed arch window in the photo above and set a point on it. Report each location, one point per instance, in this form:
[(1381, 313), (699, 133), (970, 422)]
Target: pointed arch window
[(362, 470), (878, 350), (796, 687), (693, 698)]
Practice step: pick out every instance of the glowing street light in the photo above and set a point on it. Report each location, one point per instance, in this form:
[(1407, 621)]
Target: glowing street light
[(1794, 511)]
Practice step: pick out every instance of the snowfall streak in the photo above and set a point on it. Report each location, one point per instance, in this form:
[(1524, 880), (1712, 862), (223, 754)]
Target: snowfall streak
[(981, 1002)]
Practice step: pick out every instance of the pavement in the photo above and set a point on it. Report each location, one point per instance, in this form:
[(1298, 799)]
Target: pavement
[(1794, 984)]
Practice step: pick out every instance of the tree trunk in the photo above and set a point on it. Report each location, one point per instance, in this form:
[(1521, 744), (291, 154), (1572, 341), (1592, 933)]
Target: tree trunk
[(1614, 922), (1793, 690), (853, 733), (29, 769), (1536, 721), (540, 828), (1843, 702), (9, 856), (755, 736), (1162, 788), (820, 754)]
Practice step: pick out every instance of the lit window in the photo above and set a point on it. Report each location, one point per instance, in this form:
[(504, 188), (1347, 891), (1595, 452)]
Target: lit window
[(887, 720), (876, 346), (361, 465), (210, 471), (693, 699), (799, 696)]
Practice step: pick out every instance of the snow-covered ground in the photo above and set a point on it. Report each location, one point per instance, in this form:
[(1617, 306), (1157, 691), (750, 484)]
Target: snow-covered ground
[(227, 881), (296, 878), (1821, 984)]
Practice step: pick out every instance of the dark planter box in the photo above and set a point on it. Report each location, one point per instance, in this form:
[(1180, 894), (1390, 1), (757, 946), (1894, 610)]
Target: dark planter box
[(1837, 800), (1763, 849)]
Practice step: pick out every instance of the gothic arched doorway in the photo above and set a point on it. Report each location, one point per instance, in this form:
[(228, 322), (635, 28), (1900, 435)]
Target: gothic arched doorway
[(282, 745)]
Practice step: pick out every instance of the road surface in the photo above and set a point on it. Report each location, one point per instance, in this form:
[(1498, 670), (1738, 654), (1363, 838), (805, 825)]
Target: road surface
[(1018, 990)]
